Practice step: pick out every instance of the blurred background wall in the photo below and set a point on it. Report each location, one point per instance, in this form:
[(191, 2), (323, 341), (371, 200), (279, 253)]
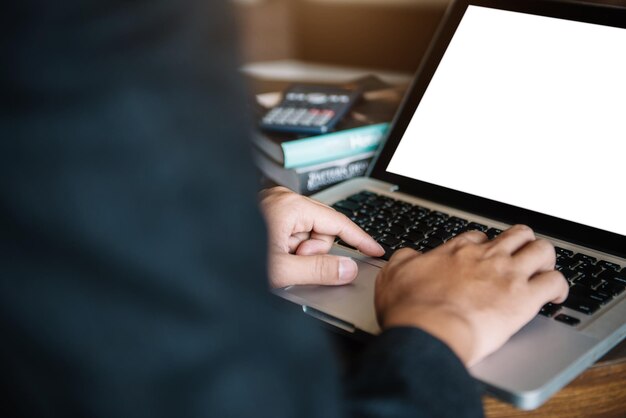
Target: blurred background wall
[(377, 34)]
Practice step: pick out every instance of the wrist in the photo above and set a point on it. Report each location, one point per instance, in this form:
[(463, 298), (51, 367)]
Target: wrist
[(451, 328)]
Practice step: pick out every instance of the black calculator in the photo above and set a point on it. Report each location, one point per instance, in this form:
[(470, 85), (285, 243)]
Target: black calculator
[(308, 109)]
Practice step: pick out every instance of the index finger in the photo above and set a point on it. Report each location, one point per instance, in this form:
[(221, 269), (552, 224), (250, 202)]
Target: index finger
[(328, 221)]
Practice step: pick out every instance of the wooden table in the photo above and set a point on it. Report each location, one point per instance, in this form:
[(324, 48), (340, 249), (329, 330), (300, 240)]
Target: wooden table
[(598, 392)]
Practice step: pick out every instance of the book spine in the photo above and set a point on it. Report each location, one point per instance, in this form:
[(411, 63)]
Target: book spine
[(316, 180), (333, 146)]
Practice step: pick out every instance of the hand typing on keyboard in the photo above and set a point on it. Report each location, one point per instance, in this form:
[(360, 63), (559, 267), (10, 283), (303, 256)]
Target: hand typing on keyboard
[(471, 292), (301, 232)]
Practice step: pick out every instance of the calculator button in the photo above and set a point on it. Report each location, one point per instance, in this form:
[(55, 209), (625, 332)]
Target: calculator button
[(323, 117), (272, 115), (296, 117), (285, 115), (308, 119)]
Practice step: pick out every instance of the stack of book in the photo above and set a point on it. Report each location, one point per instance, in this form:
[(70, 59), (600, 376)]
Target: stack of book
[(308, 164)]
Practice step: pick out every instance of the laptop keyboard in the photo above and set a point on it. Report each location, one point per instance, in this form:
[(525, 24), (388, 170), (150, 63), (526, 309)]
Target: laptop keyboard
[(395, 224)]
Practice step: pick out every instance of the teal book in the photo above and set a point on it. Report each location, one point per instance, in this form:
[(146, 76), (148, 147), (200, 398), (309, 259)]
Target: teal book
[(326, 147), (362, 130)]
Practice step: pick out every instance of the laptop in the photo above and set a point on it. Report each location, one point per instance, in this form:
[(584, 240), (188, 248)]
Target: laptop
[(516, 115)]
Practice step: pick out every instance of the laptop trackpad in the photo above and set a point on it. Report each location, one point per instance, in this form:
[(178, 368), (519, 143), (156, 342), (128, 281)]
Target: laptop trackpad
[(352, 303)]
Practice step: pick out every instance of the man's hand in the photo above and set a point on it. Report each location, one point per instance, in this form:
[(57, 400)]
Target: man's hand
[(471, 293), (301, 232)]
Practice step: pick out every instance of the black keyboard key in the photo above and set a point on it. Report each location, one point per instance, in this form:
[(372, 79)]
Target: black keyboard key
[(413, 236), (584, 292), (549, 309), (375, 203), (613, 289), (395, 230), (432, 242), (370, 210), (417, 212), (458, 221), (403, 244), (453, 227), (368, 193), (432, 221), (439, 214), (493, 232), (578, 290), (390, 241), (347, 204), (457, 231), (387, 201), (566, 319), (401, 207), (346, 212), (443, 235), (475, 226), (581, 304), (384, 216), (366, 212), (613, 277), (563, 252), (360, 197), (601, 297), (565, 263), (379, 223), (588, 269), (609, 266), (422, 228), (589, 281), (584, 258), (363, 216), (375, 225), (404, 221)]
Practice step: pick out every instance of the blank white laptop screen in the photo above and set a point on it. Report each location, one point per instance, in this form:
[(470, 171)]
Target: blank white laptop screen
[(530, 111)]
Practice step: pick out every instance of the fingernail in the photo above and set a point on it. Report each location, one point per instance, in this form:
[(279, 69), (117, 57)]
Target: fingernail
[(347, 269), (382, 250)]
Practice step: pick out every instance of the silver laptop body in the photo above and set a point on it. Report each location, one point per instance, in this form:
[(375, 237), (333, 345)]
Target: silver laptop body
[(515, 116)]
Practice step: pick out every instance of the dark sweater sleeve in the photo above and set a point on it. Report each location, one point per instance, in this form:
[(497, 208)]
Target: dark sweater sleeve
[(406, 372), (132, 255)]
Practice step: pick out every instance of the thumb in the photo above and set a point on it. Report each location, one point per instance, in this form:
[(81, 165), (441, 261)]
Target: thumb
[(289, 269)]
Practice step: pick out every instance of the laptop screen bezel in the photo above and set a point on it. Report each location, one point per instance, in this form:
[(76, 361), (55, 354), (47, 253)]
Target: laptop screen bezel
[(576, 233)]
